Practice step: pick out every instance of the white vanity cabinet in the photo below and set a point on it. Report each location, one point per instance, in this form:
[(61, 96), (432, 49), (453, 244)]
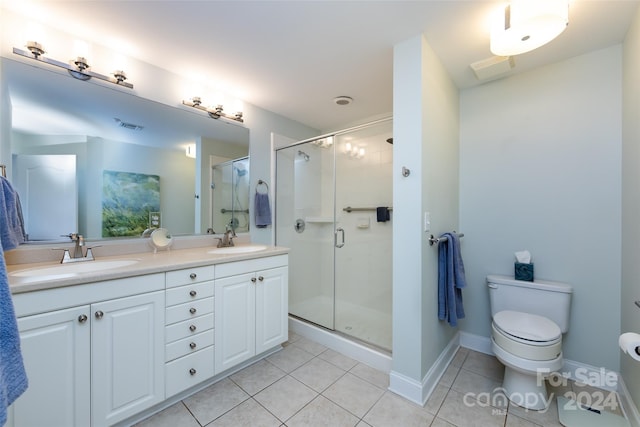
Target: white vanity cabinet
[(127, 363), (56, 353), (104, 353), (189, 333), (251, 307), (96, 363)]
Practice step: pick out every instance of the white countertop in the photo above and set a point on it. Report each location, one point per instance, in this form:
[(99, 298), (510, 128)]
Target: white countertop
[(147, 263)]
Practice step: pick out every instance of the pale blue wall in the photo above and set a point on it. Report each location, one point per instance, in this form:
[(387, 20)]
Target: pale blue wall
[(630, 319), (540, 170), (425, 132)]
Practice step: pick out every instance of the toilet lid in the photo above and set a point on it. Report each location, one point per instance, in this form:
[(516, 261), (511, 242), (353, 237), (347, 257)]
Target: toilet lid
[(526, 326)]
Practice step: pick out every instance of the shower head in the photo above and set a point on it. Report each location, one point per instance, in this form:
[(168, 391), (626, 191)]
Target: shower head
[(390, 141), (240, 169), (304, 155)]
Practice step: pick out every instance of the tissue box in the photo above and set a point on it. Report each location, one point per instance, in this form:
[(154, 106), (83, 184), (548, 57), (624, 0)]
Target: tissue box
[(523, 271)]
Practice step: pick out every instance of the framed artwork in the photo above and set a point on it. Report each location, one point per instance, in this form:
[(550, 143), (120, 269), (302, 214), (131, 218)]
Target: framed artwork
[(127, 200)]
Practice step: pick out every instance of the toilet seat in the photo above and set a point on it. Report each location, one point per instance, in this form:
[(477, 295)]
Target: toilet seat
[(527, 336), (527, 327)]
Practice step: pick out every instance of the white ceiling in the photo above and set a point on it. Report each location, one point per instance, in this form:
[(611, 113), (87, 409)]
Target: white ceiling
[(294, 57)]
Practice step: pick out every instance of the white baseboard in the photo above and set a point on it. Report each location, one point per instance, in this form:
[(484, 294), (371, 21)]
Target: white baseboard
[(419, 392), (476, 342), (628, 407)]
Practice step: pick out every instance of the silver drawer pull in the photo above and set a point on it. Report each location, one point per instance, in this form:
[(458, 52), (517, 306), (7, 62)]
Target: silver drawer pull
[(253, 279), (193, 345), (192, 310), (99, 314), (193, 293), (82, 318), (192, 371), (261, 278), (192, 328), (192, 276)]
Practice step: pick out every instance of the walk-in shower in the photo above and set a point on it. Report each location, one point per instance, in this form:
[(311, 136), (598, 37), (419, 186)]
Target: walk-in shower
[(230, 196), (333, 209)]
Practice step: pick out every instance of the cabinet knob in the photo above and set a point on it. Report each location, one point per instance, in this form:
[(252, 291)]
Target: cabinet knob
[(261, 278), (192, 328), (193, 293), (192, 371), (193, 345), (193, 276), (82, 318), (192, 310), (99, 314), (253, 279)]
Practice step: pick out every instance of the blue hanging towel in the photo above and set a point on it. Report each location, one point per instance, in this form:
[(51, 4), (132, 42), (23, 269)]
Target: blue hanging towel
[(262, 210), (13, 378), (12, 227), (451, 279)]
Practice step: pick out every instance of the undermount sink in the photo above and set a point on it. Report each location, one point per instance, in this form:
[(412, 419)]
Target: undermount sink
[(242, 249), (62, 271)]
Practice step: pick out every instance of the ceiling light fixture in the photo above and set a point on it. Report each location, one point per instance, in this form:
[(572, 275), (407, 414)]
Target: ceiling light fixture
[(526, 25), (214, 112), (78, 68)]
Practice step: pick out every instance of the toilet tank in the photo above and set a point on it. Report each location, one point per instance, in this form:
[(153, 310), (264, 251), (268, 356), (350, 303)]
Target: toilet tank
[(544, 298)]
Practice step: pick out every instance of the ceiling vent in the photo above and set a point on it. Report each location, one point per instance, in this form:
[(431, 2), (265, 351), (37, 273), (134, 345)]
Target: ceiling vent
[(493, 67), (126, 125), (342, 100)]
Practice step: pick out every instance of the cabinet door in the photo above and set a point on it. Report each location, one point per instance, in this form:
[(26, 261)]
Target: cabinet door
[(127, 356), (55, 349), (234, 320), (271, 308)]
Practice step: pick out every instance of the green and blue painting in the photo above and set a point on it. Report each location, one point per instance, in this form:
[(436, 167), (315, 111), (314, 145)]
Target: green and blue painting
[(127, 200)]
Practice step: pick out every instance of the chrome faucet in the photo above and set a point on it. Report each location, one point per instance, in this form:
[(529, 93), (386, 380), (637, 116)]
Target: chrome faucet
[(76, 254), (77, 249), (227, 238)]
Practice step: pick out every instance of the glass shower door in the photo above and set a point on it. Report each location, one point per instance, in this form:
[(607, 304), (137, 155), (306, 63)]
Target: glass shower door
[(364, 189), (305, 223)]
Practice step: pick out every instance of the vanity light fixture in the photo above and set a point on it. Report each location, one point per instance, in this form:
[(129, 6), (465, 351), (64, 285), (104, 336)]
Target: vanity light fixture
[(214, 112), (78, 68), (526, 25)]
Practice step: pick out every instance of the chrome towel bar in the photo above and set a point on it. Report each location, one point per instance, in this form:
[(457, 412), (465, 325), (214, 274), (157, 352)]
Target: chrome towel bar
[(435, 240), (350, 209)]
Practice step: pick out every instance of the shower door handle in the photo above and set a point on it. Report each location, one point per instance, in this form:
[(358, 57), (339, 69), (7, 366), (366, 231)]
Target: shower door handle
[(335, 238)]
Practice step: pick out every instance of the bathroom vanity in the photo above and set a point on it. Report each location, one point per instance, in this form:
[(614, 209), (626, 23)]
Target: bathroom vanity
[(106, 345)]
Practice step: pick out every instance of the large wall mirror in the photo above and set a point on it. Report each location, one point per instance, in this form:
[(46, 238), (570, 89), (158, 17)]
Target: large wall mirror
[(84, 155)]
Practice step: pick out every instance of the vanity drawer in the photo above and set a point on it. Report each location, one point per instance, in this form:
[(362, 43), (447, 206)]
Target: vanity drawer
[(189, 310), (188, 328), (188, 371), (188, 345), (189, 275), (188, 293)]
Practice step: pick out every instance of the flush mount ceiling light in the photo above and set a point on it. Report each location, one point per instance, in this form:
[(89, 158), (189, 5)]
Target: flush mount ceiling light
[(527, 24), (78, 68), (214, 112)]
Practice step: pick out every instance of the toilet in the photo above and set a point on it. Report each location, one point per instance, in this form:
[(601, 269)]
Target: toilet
[(528, 320)]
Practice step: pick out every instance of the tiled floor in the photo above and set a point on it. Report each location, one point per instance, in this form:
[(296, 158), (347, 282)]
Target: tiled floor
[(307, 384)]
